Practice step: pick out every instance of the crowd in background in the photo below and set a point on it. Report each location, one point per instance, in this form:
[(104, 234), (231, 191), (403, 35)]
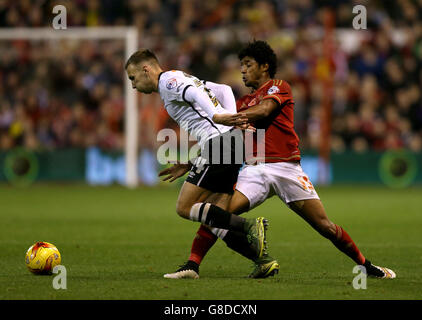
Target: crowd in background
[(60, 94)]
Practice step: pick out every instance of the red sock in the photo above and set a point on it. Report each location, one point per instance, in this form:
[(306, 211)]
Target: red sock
[(203, 241), (345, 244)]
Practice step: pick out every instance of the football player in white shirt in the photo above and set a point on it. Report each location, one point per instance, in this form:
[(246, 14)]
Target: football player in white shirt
[(196, 109)]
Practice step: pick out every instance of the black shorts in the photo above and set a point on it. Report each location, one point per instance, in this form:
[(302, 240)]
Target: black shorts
[(218, 166)]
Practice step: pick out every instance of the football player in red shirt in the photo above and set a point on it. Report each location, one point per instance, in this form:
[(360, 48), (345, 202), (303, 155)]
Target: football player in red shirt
[(276, 171)]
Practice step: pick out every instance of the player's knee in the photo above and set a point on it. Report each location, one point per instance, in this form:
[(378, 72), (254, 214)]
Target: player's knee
[(327, 229), (182, 210)]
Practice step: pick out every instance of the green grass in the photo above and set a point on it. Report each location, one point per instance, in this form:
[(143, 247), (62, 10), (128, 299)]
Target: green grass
[(117, 244)]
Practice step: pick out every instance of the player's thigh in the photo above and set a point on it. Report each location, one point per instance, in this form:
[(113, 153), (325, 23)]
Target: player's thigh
[(313, 212), (239, 203), (217, 178), (189, 195), (252, 187), (290, 182)]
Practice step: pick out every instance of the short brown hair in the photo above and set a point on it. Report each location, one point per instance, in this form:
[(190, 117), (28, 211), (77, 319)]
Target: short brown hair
[(141, 55)]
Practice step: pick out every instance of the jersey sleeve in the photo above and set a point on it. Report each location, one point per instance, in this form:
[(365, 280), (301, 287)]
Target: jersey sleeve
[(224, 94), (280, 92), (204, 98)]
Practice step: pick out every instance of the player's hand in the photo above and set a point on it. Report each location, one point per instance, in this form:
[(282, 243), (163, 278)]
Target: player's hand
[(246, 127), (229, 119), (176, 171)]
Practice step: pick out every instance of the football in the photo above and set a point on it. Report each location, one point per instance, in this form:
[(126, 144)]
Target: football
[(42, 257)]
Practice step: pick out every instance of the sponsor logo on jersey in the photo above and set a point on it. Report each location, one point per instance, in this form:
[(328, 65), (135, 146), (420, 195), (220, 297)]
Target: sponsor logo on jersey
[(273, 89), (171, 83)]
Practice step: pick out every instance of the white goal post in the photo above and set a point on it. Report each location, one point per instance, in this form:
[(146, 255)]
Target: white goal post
[(130, 35)]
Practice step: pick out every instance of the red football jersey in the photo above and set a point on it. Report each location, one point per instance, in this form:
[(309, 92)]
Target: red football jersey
[(281, 140)]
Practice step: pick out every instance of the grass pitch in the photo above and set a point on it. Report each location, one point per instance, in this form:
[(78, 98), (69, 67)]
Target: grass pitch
[(117, 244)]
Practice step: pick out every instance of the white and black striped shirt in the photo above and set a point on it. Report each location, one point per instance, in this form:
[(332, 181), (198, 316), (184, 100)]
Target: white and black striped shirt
[(192, 103)]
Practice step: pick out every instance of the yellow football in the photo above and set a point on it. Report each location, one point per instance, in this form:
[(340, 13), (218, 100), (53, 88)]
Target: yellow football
[(42, 257)]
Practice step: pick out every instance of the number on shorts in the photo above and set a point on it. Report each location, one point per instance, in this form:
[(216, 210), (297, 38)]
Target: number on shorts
[(306, 183), (199, 164)]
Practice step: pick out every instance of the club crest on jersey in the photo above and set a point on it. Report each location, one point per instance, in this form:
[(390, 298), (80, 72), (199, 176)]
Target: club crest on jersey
[(253, 102), (171, 83), (273, 89)]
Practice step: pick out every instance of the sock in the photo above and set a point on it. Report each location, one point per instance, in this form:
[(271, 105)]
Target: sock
[(206, 238), (214, 216), (346, 245), (239, 242), (203, 242)]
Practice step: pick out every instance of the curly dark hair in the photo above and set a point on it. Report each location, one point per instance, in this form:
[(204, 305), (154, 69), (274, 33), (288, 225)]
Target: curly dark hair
[(262, 53)]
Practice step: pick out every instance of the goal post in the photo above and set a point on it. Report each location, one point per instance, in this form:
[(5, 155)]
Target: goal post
[(326, 118), (130, 36)]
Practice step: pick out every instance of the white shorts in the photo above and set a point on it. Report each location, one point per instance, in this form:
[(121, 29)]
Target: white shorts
[(285, 179)]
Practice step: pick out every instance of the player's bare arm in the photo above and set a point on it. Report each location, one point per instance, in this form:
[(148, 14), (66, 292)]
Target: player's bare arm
[(227, 119), (261, 110)]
